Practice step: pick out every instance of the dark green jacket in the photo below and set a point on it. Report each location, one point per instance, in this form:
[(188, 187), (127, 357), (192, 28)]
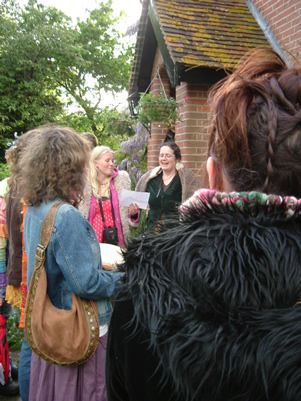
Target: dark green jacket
[(163, 204), (189, 184)]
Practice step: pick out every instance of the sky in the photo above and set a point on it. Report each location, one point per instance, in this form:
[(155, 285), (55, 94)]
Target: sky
[(77, 8)]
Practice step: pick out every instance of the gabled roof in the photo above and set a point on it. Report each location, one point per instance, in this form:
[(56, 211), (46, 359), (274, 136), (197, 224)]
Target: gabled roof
[(212, 33), (207, 34)]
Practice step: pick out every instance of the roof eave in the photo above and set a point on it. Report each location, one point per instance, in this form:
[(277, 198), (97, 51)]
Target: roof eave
[(171, 67)]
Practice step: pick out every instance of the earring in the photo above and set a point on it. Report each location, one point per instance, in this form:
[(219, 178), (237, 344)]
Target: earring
[(179, 165)]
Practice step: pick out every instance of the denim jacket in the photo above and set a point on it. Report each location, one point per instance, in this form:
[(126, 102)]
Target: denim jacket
[(73, 261)]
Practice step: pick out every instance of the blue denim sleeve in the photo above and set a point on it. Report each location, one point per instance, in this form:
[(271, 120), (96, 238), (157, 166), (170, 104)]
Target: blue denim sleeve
[(77, 253)]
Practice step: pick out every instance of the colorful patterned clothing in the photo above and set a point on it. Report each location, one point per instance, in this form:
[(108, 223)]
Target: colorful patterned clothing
[(97, 222), (3, 248)]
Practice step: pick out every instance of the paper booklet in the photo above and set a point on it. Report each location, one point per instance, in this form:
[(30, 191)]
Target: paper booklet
[(111, 255)]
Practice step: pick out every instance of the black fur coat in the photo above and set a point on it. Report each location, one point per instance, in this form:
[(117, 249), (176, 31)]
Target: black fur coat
[(209, 310)]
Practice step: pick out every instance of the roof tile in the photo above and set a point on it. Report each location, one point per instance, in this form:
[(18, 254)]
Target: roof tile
[(209, 33)]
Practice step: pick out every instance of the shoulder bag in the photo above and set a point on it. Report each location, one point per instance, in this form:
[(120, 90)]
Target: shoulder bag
[(59, 336), (109, 233)]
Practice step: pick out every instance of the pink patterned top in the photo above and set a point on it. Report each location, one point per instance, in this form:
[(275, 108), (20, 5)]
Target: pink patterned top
[(97, 222)]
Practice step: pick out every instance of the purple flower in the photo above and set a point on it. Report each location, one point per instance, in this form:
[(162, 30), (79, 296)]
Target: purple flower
[(133, 153)]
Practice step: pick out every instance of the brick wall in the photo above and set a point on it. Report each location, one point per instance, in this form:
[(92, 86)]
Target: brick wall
[(192, 130), (284, 19)]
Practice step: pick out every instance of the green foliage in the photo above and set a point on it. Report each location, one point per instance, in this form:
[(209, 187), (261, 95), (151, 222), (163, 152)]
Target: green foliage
[(15, 335), (28, 95), (135, 232), (78, 121), (120, 127), (4, 140), (47, 62), (157, 109), (109, 117), (121, 123), (107, 133), (4, 171)]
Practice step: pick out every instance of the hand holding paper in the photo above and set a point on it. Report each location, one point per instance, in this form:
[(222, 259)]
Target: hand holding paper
[(139, 198), (111, 255)]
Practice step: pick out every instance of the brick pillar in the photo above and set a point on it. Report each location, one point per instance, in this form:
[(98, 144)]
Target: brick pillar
[(192, 130)]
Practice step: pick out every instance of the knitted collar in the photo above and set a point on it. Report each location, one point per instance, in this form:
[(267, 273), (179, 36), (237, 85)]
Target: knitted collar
[(251, 203)]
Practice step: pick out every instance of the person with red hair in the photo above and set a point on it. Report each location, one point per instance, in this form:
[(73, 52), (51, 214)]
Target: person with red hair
[(210, 307)]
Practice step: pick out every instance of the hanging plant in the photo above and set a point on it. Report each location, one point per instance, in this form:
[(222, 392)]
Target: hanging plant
[(160, 109), (120, 123), (120, 127)]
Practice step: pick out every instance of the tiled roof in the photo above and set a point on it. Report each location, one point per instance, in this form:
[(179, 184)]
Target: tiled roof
[(208, 33)]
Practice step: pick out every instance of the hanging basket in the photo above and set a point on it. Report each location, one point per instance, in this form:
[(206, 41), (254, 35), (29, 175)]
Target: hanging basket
[(157, 110), (120, 127)]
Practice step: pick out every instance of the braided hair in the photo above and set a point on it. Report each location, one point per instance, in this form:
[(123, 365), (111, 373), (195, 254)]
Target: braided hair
[(255, 135)]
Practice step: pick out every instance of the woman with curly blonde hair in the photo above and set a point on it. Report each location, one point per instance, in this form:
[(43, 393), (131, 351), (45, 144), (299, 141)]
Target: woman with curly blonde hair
[(101, 206), (54, 171)]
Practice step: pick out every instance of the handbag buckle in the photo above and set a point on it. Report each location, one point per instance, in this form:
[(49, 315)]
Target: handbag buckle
[(40, 252)]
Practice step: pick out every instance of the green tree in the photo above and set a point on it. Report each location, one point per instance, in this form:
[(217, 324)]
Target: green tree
[(28, 97), (107, 133), (47, 62)]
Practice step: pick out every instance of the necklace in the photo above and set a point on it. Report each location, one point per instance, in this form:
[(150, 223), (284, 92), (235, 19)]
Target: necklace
[(104, 189), (165, 185), (167, 180)]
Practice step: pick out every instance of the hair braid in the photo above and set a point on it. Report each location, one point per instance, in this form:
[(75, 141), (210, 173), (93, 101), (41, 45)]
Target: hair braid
[(271, 139), (255, 134), (281, 98)]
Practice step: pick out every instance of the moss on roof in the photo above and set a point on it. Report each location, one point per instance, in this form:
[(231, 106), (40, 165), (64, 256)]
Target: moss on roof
[(209, 33)]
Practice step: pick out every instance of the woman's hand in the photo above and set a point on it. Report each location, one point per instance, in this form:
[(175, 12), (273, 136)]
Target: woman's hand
[(108, 267), (133, 209)]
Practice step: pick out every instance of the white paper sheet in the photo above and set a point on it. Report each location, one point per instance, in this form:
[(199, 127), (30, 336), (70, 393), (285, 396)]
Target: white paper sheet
[(140, 198)]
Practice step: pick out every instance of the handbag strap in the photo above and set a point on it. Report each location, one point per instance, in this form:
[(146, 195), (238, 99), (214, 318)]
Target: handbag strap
[(101, 211), (46, 231)]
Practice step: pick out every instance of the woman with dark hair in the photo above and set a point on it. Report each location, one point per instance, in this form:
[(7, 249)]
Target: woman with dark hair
[(210, 309), (169, 185), (91, 139), (56, 172)]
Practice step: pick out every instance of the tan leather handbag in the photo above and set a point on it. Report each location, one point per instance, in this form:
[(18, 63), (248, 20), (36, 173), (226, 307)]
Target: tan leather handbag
[(61, 337)]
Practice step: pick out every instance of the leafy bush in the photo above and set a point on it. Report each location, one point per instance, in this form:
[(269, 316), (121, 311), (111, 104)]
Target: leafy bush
[(14, 334), (4, 171)]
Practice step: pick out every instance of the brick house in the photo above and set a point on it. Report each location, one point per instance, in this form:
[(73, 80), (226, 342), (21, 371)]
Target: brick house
[(189, 44)]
